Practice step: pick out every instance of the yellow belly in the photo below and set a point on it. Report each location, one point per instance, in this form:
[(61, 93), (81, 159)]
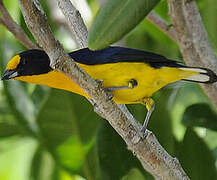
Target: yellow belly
[(149, 79), (114, 75)]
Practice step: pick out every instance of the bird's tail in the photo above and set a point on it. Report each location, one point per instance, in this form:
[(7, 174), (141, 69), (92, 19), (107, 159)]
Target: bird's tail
[(203, 76)]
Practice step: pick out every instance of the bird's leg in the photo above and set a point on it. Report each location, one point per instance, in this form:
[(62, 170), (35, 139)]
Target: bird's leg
[(131, 84), (110, 95), (149, 103)]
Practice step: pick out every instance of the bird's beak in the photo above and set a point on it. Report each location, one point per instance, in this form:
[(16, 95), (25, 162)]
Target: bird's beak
[(9, 74)]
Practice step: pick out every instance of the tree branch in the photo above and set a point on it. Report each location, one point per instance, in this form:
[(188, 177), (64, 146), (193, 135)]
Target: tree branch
[(150, 153), (75, 22), (192, 39), (7, 21)]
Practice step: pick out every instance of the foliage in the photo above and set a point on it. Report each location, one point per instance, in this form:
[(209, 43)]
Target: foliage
[(107, 27), (55, 135)]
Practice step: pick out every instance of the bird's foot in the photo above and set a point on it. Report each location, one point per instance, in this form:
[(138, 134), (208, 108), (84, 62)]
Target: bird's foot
[(150, 105)]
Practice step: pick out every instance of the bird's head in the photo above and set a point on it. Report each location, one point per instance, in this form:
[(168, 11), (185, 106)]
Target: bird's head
[(33, 66), (28, 63)]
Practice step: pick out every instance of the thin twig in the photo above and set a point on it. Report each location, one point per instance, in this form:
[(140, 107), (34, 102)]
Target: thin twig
[(152, 156), (75, 22), (193, 40), (162, 25), (7, 21)]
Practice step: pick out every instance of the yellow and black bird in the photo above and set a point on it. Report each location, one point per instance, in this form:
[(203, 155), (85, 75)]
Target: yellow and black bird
[(131, 75)]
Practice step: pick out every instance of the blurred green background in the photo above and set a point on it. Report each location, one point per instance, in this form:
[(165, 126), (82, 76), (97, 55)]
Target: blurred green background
[(48, 134)]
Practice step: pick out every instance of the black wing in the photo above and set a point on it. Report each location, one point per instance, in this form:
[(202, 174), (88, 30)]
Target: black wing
[(121, 54)]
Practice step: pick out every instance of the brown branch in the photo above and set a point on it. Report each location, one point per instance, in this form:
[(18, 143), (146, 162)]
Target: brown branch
[(59, 19), (7, 21), (75, 22), (193, 40), (162, 25), (152, 156)]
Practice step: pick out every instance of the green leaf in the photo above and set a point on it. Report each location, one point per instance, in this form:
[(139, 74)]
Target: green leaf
[(7, 130), (55, 119), (71, 154), (134, 174), (114, 159), (196, 158), (200, 115), (38, 96), (19, 101), (43, 166), (66, 130), (62, 116), (116, 19), (214, 152), (36, 163), (91, 169), (209, 20)]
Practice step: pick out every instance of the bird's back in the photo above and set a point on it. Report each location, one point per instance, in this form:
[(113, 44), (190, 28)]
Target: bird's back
[(121, 54)]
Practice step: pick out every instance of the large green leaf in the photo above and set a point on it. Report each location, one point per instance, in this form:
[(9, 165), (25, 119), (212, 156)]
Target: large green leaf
[(196, 158), (7, 130), (116, 19), (62, 116), (200, 115), (68, 126)]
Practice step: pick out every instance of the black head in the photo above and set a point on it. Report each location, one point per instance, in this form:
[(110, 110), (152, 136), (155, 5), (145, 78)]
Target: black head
[(27, 63)]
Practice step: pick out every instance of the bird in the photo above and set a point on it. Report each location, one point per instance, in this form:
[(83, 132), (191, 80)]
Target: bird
[(131, 75)]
